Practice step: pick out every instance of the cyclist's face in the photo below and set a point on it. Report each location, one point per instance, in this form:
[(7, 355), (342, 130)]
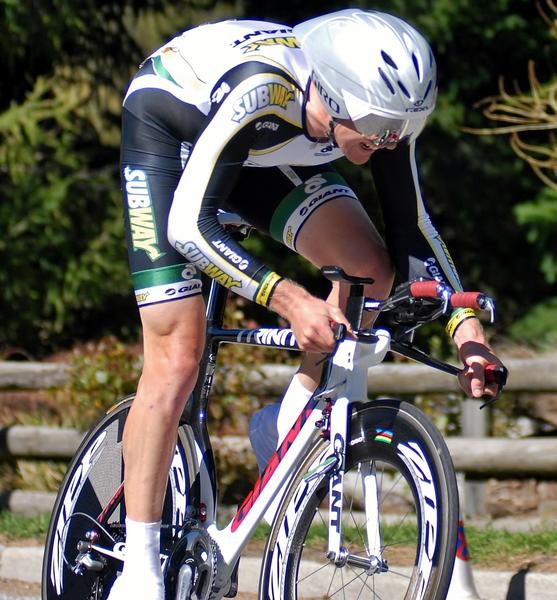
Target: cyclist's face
[(356, 147)]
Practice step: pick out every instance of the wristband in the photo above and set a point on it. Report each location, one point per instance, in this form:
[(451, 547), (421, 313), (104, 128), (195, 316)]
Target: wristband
[(266, 288), (457, 318)]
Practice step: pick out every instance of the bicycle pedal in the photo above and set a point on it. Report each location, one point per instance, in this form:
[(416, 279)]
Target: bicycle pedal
[(328, 465), (233, 589)]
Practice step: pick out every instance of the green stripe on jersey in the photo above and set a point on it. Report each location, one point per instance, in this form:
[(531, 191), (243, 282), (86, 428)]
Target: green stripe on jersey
[(162, 71)]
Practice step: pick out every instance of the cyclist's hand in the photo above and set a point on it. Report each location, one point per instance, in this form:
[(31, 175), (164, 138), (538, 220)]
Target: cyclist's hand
[(309, 317), (475, 357), (475, 354)]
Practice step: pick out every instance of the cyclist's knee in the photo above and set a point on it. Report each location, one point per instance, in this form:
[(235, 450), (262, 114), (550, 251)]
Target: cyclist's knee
[(173, 339), (171, 361), (167, 380), (382, 265), (373, 261)]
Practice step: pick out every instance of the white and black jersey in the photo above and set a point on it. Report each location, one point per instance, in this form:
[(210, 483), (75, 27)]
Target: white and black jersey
[(216, 118)]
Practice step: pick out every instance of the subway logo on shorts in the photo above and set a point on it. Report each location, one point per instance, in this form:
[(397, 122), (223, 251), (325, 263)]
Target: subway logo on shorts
[(270, 94), (142, 219)]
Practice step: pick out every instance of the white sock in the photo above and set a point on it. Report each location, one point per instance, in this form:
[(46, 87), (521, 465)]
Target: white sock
[(142, 573), (269, 426)]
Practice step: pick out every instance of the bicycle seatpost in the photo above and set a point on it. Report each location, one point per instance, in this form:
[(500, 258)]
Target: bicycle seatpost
[(355, 305)]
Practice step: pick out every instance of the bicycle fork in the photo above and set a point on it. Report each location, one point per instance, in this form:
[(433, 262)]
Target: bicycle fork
[(336, 552)]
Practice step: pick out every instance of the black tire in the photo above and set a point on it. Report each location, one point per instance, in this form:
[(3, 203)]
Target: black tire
[(92, 478), (393, 436)]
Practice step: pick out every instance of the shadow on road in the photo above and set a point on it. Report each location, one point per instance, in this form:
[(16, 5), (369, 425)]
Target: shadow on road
[(517, 586)]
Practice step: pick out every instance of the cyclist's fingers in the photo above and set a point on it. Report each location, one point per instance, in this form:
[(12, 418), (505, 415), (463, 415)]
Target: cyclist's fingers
[(336, 315), (477, 380), (476, 376), (316, 338)]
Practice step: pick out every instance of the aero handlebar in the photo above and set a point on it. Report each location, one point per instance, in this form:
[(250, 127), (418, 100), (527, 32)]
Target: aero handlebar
[(433, 289)]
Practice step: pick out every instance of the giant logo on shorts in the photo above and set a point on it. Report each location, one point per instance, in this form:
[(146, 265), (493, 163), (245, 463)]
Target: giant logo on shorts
[(270, 94)]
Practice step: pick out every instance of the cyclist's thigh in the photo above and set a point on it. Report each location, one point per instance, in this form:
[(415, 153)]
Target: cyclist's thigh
[(154, 123), (167, 287), (313, 211)]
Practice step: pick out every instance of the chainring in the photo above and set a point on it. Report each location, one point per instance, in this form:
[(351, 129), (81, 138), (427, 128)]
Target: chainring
[(198, 552)]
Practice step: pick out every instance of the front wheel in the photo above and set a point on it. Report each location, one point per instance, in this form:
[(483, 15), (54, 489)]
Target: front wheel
[(399, 460)]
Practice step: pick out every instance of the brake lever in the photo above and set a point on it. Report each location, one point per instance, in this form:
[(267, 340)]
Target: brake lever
[(497, 374), (339, 333)]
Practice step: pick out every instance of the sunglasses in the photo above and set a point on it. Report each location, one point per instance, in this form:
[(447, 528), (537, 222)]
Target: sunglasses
[(383, 139), (377, 131)]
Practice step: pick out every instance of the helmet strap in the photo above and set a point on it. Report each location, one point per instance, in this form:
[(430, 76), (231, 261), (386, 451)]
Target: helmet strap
[(330, 133)]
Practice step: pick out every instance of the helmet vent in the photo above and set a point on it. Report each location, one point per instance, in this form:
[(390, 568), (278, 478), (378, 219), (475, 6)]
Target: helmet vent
[(386, 80), (428, 89), (416, 65), (388, 60), (403, 89)]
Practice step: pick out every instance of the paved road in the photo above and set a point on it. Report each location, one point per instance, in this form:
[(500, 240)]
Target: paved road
[(25, 564)]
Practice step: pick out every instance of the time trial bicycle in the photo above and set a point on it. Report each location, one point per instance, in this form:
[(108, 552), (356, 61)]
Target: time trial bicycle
[(360, 495)]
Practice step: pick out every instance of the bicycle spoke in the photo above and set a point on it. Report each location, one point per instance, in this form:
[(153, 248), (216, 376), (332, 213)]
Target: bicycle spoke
[(399, 574), (342, 582), (356, 577), (362, 589), (331, 584), (358, 529), (324, 566)]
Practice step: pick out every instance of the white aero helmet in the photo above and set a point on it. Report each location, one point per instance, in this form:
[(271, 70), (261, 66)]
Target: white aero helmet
[(372, 68)]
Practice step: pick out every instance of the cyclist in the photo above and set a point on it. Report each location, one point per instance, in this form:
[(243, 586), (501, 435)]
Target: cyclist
[(249, 115)]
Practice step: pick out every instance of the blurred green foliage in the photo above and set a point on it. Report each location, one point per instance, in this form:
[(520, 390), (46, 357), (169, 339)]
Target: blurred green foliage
[(539, 327), (64, 274), (100, 374)]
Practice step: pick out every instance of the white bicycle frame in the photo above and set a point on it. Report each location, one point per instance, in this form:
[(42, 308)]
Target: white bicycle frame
[(347, 382)]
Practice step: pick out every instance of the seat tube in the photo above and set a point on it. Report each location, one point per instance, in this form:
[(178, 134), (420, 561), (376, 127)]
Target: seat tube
[(195, 412)]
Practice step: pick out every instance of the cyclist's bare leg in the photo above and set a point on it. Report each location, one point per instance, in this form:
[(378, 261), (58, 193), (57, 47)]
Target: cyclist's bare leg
[(341, 233), (173, 337)]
